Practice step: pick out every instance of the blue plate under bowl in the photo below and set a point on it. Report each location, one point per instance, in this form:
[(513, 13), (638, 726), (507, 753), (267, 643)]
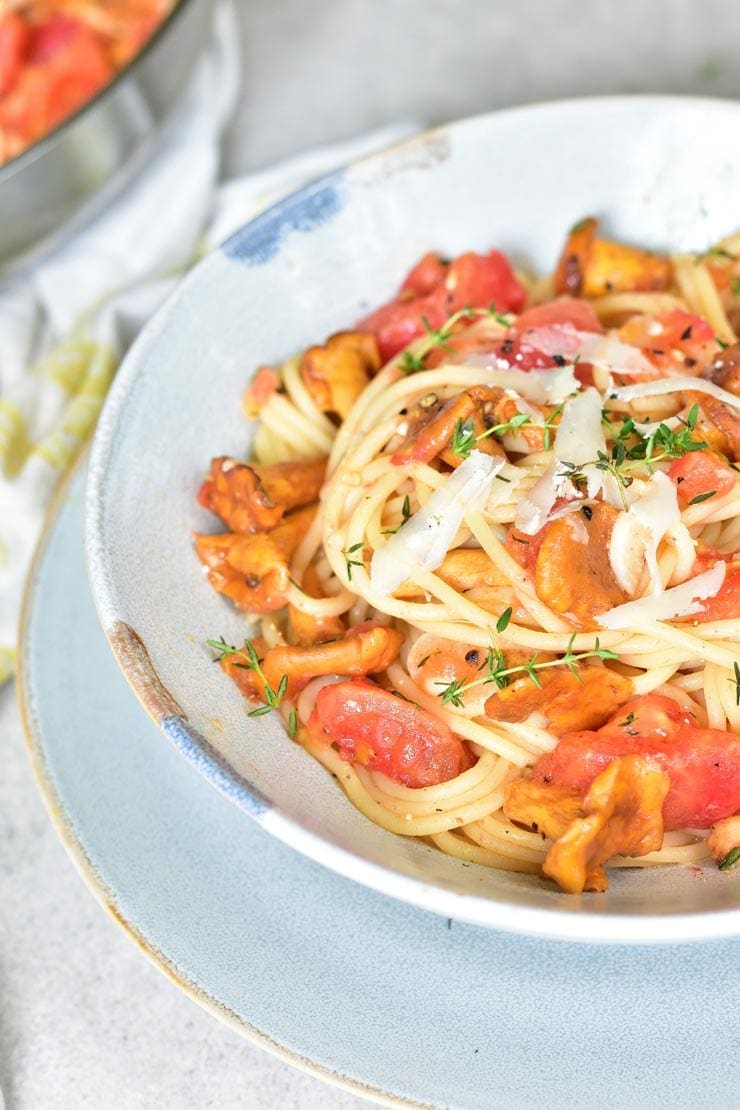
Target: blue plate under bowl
[(397, 1004)]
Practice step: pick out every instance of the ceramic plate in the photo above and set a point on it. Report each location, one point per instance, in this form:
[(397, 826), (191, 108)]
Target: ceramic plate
[(662, 172), (398, 1004)]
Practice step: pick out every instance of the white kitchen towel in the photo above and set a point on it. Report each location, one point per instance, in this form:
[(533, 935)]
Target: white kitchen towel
[(65, 326)]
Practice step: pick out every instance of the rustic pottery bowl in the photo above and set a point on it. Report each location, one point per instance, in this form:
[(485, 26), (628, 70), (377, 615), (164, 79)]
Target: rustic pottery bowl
[(664, 172)]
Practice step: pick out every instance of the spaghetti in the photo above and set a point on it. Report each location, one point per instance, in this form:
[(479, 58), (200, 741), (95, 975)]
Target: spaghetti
[(491, 538)]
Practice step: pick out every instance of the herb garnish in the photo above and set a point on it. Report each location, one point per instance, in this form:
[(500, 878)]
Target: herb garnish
[(662, 443), (410, 364), (500, 674), (405, 514), (438, 337), (732, 857), (464, 438), (549, 425), (251, 662), (353, 562), (503, 622), (702, 497)]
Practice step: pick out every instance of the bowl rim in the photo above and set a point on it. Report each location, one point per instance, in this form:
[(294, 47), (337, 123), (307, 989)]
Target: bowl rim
[(37, 150), (541, 921)]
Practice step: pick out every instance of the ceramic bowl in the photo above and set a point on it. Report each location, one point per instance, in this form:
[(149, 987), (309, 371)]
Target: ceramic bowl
[(663, 172)]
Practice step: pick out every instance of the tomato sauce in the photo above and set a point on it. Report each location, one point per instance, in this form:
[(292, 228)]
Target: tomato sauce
[(54, 57)]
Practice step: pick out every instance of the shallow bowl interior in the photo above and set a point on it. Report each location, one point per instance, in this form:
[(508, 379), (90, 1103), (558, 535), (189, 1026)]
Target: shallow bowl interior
[(664, 172)]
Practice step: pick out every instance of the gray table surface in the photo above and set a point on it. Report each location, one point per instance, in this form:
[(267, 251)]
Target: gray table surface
[(85, 1021)]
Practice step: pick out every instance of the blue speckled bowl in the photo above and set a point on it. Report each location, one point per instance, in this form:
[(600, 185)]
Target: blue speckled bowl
[(660, 171)]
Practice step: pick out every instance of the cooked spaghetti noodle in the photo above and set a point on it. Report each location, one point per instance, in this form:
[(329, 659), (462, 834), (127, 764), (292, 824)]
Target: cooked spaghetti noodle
[(498, 618)]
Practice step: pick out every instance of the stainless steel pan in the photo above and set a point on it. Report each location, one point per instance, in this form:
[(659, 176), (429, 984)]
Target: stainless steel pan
[(71, 173)]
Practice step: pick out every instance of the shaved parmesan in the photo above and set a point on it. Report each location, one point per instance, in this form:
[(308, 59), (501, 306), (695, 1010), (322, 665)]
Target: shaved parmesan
[(579, 437), (603, 351), (638, 533), (609, 353), (545, 387), (553, 339), (426, 537), (679, 601), (675, 385), (535, 415), (535, 509), (508, 479)]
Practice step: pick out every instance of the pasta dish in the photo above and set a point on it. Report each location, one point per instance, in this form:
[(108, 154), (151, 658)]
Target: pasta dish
[(55, 55), (491, 535)]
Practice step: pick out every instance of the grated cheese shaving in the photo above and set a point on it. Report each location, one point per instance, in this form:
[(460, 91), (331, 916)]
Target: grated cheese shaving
[(426, 537), (638, 533), (579, 437), (678, 601), (675, 385)]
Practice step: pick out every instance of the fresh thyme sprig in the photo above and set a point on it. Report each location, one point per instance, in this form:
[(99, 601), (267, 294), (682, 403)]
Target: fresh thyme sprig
[(464, 438), (498, 673), (631, 451), (732, 858), (550, 424), (405, 514), (251, 662), (353, 562), (665, 443), (736, 681), (702, 497), (410, 362)]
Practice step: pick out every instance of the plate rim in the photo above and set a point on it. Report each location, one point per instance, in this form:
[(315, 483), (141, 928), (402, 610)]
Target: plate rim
[(104, 895), (549, 923)]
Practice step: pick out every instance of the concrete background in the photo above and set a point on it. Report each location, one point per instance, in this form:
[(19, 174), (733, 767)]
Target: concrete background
[(85, 1022)]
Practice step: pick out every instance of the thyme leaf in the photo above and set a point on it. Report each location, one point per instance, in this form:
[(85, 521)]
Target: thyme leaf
[(498, 673), (247, 659), (464, 439), (353, 562), (630, 451), (412, 362), (732, 857), (702, 497)]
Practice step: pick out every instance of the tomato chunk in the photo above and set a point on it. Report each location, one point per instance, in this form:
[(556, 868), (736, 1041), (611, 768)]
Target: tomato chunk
[(14, 37), (703, 764), (725, 605), (426, 276), (481, 280), (434, 290), (554, 327), (676, 342), (567, 310), (698, 473), (375, 728), (66, 65), (523, 548)]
